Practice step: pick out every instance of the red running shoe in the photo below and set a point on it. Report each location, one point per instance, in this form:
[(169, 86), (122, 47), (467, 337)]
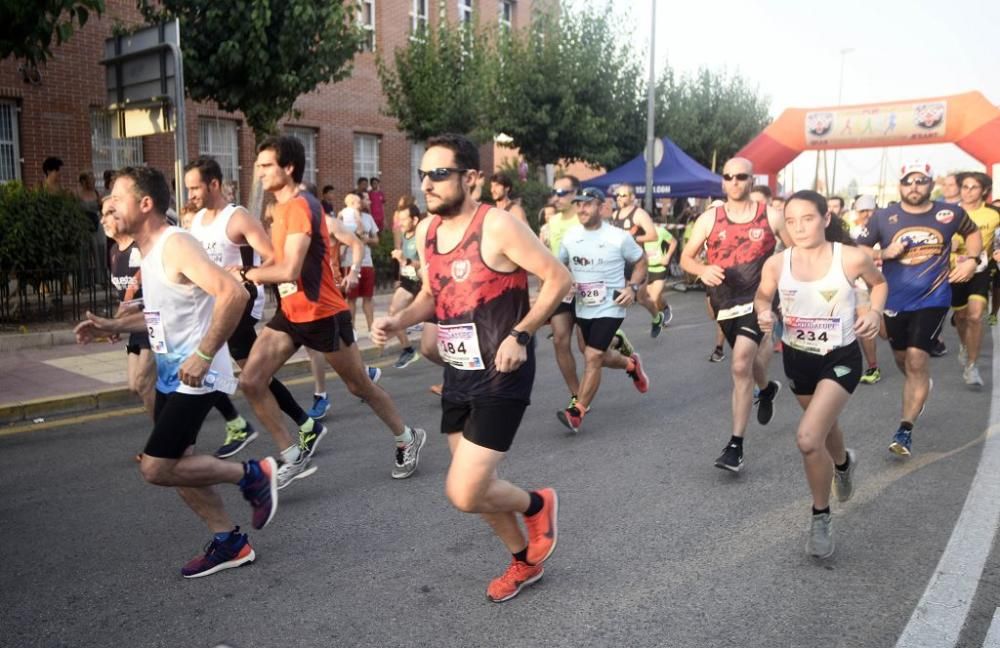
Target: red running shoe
[(543, 528), (572, 418), (260, 488), (638, 376), (233, 552), (509, 584)]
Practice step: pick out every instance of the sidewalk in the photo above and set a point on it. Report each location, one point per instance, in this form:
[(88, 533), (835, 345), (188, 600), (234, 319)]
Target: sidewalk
[(69, 378)]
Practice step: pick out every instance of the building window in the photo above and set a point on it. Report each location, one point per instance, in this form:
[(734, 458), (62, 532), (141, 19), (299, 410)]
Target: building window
[(418, 18), (308, 138), (465, 12), (218, 138), (505, 11), (10, 152), (366, 158), (366, 16), (107, 152)]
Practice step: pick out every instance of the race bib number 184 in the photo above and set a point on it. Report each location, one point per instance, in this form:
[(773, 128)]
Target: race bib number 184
[(458, 345)]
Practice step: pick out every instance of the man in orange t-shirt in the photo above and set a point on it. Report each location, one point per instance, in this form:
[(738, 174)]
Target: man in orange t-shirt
[(313, 313)]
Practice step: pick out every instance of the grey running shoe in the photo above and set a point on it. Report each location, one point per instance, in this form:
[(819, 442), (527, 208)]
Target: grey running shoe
[(718, 355), (406, 358), (820, 543), (843, 481), (972, 378), (290, 471), (408, 456)]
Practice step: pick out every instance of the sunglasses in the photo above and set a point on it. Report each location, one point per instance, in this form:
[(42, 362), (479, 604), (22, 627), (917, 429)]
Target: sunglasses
[(623, 195), (919, 180), (562, 192), (742, 177), (439, 174)]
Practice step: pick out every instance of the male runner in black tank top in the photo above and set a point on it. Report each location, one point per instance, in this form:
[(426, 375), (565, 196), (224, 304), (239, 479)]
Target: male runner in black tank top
[(479, 297), (630, 216)]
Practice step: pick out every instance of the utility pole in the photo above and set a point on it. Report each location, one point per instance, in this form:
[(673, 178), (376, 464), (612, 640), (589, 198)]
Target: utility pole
[(651, 112)]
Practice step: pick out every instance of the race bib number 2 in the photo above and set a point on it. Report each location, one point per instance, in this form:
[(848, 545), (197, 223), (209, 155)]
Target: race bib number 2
[(458, 345), (154, 327)]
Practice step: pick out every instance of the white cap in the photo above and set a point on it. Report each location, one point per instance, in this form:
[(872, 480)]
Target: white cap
[(916, 166)]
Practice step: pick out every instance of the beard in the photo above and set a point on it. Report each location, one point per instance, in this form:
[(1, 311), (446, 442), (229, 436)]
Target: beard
[(914, 199), (449, 208)]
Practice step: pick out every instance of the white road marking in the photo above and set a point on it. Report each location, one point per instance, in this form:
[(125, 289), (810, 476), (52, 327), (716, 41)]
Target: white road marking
[(993, 636), (937, 620)]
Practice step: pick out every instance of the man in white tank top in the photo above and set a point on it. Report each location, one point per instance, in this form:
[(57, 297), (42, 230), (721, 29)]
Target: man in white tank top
[(191, 306), (234, 238)]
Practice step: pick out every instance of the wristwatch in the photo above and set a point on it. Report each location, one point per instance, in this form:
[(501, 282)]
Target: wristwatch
[(522, 337), (243, 272), (635, 288)]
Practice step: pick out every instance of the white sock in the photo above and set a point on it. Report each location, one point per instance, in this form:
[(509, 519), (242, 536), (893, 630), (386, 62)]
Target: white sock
[(290, 454), (406, 438), (320, 394)]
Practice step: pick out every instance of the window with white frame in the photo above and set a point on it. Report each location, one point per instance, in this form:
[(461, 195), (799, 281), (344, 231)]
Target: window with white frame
[(465, 12), (418, 17), (219, 139), (107, 152), (10, 152), (366, 157), (308, 138), (366, 18), (505, 12)]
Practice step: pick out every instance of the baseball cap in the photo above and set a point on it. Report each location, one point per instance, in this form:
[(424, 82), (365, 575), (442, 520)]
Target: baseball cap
[(916, 166), (863, 203), (589, 194)]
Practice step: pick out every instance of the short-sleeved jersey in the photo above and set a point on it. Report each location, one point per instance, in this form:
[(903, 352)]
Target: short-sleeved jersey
[(315, 296), (918, 278), (987, 220), (597, 259), (656, 250)]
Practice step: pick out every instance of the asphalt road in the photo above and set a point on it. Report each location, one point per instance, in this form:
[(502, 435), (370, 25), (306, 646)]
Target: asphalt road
[(657, 547)]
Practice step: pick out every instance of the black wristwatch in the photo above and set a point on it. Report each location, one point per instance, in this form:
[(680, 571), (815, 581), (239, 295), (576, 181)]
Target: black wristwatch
[(522, 337)]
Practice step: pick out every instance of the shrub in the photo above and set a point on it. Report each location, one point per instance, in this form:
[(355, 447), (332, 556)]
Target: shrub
[(39, 229)]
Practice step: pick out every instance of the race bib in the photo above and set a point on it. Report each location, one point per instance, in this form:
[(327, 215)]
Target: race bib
[(408, 272), (813, 334), (568, 299), (154, 327), (735, 311), (458, 345), (592, 293), (287, 289)]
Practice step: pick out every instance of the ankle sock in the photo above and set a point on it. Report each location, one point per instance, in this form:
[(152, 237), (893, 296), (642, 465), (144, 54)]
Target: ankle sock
[(906, 425), (536, 504), (406, 438), (817, 511), (307, 425), (291, 454), (844, 466), (319, 395), (737, 441), (521, 556)]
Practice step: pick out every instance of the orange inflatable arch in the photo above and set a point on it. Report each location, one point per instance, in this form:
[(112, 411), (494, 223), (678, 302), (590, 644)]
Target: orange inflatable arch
[(968, 120)]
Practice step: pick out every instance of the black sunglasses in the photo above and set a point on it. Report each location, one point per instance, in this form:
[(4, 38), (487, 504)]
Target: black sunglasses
[(439, 174), (742, 177), (919, 180), (562, 192)]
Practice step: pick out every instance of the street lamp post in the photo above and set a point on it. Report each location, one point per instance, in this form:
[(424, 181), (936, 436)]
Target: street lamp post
[(651, 113), (840, 98)]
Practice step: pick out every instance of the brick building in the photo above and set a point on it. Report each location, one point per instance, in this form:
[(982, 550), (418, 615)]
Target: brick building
[(346, 136)]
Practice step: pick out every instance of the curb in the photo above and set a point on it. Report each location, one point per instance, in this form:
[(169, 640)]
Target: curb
[(117, 397)]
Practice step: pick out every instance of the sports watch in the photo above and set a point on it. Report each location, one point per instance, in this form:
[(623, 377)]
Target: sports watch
[(522, 337)]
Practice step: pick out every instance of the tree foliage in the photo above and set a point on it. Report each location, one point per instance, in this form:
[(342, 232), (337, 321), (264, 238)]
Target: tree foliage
[(259, 56), (30, 25), (709, 113)]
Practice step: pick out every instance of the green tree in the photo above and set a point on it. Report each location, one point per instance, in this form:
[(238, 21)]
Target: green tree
[(29, 26), (258, 57), (709, 114)]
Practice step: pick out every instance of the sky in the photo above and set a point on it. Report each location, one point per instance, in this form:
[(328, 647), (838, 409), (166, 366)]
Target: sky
[(792, 51)]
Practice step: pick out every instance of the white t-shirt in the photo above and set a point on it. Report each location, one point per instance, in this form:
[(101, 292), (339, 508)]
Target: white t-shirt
[(597, 259), (350, 218)]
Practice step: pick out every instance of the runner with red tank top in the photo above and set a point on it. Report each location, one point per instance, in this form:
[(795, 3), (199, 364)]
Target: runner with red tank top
[(740, 237), (313, 313), (479, 297)]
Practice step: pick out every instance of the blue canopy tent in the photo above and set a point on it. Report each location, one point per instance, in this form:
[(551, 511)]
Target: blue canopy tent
[(676, 175)]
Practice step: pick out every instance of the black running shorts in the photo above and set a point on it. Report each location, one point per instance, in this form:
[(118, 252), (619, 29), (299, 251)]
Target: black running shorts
[(976, 288), (598, 332), (489, 422), (324, 335), (137, 342), (804, 370), (744, 325), (177, 419), (916, 329)]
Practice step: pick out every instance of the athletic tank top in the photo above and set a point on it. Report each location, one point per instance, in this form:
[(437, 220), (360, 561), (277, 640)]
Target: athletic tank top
[(124, 268), (558, 227), (408, 269), (626, 222), (818, 315), (177, 318), (224, 252), (741, 249), (476, 309)]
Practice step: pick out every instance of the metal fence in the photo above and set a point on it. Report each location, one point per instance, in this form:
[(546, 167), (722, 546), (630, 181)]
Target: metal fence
[(33, 295)]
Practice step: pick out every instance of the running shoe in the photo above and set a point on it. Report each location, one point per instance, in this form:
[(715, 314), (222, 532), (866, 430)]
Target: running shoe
[(321, 405), (902, 443), (668, 315), (408, 456), (573, 400), (843, 481), (406, 358), (656, 326), (731, 458), (871, 376), (237, 438), (509, 584), (571, 417), (993, 320), (820, 542), (289, 471), (972, 378), (718, 355), (543, 528), (765, 402), (638, 375), (233, 552), (309, 440), (260, 487), (374, 373), (963, 355), (623, 345), (939, 349)]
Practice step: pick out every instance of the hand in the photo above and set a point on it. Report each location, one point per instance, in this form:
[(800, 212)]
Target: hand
[(350, 280), (867, 325), (712, 276), (893, 250), (510, 355), (963, 271), (382, 328), (765, 320), (626, 297), (193, 370), (93, 327)]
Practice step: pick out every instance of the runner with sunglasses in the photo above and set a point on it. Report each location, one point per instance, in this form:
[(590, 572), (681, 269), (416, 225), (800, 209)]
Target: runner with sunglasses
[(741, 235), (915, 236)]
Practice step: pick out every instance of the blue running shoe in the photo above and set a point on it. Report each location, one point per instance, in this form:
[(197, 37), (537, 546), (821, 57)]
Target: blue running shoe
[(374, 373), (229, 553), (321, 405), (901, 443)]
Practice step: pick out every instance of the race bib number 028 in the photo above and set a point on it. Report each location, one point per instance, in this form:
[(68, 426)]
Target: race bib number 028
[(458, 345), (813, 334), (592, 293)]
